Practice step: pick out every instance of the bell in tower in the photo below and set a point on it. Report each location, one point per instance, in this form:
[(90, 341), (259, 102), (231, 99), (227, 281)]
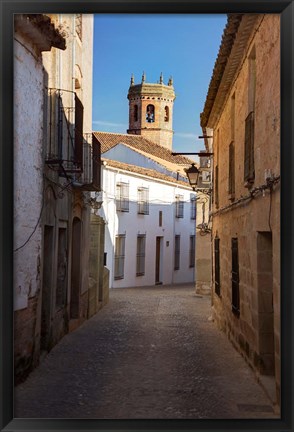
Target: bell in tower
[(151, 109)]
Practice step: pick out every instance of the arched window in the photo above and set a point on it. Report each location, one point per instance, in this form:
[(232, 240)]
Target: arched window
[(135, 112), (166, 114), (150, 113)]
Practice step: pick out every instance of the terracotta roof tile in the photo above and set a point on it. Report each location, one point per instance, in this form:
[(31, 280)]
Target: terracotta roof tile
[(140, 143)]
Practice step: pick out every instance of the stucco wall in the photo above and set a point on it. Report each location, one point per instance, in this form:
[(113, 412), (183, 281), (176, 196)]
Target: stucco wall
[(161, 198)]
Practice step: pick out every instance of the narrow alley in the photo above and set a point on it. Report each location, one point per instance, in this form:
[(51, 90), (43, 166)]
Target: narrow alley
[(150, 353)]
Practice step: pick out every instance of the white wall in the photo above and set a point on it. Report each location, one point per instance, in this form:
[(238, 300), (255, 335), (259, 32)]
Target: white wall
[(28, 180), (161, 197)]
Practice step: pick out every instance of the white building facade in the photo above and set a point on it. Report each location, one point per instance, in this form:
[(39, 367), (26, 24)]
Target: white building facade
[(150, 227)]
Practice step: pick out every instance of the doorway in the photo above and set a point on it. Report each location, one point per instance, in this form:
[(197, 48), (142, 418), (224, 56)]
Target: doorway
[(158, 261), (75, 268), (265, 302), (47, 286)]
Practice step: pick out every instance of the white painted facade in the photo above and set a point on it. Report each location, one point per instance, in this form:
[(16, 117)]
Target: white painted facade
[(28, 177), (162, 197)]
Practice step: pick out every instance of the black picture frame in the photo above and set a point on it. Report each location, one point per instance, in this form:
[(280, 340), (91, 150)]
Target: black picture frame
[(7, 9)]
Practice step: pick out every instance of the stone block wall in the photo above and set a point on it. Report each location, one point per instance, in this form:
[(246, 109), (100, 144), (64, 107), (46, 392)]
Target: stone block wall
[(256, 331)]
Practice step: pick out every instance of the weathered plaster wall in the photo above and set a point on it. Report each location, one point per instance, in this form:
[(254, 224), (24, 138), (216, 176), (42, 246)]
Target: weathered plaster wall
[(28, 179)]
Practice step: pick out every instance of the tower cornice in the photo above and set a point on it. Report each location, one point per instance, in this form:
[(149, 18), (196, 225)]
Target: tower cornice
[(149, 89)]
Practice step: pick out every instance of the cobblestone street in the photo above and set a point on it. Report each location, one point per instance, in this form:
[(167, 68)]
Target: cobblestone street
[(150, 353)]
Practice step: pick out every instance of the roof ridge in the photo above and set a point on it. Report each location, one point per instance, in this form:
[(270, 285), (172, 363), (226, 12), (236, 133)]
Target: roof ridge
[(148, 171)]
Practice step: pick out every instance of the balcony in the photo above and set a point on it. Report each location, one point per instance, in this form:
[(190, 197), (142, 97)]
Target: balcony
[(70, 152)]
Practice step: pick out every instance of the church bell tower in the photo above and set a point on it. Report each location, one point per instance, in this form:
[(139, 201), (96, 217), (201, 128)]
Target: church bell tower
[(151, 110)]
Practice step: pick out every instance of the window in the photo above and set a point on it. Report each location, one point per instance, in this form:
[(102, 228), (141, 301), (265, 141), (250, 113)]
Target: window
[(249, 173), (177, 252), (216, 197), (150, 113), (119, 256), (235, 278), (166, 114), (179, 206), (216, 266), (193, 208), (160, 218), (143, 200), (136, 113), (122, 197), (233, 107), (79, 25), (231, 186), (79, 116), (141, 246), (192, 251)]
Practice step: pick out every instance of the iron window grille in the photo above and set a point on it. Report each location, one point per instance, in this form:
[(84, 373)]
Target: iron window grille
[(217, 266), (192, 251), (122, 197), (179, 206), (177, 252), (143, 200), (119, 256), (141, 246), (249, 173), (193, 208), (235, 278), (64, 148)]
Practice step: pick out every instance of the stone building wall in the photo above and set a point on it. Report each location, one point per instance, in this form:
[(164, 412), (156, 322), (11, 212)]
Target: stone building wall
[(255, 221)]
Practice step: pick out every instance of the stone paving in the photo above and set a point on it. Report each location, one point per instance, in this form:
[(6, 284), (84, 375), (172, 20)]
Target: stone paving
[(151, 353)]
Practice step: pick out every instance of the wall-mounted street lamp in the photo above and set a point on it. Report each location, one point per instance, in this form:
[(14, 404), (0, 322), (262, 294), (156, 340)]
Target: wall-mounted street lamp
[(193, 175), (193, 172)]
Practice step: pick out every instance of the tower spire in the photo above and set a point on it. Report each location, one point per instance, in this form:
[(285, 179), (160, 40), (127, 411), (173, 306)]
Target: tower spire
[(161, 79), (132, 80), (143, 77), (170, 81)]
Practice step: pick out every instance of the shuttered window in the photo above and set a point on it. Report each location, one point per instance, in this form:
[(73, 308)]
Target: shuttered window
[(235, 278), (119, 256), (249, 149), (216, 266)]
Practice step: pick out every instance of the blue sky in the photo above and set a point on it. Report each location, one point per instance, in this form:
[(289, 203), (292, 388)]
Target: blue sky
[(182, 46)]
